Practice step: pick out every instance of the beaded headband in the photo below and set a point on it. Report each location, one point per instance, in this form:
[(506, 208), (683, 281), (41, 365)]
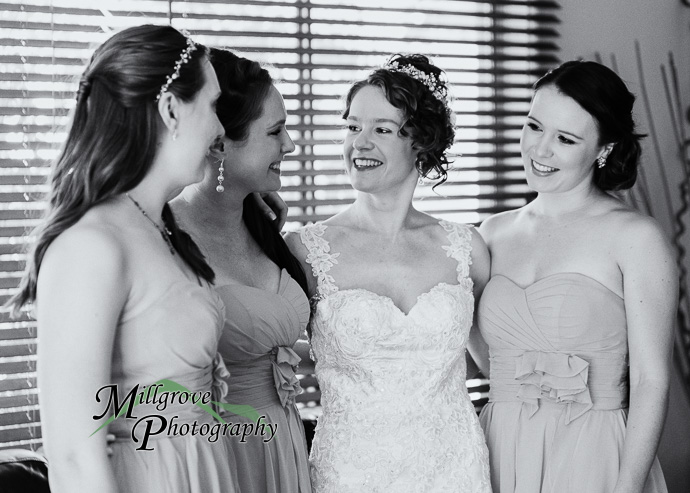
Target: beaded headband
[(438, 90), (184, 58)]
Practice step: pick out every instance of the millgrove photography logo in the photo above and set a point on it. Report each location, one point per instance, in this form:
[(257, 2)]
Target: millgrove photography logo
[(166, 393)]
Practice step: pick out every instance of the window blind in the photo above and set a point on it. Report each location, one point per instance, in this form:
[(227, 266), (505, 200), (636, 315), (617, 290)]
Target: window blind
[(492, 51)]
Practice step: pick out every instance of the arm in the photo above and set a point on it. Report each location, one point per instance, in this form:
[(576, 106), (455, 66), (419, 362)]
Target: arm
[(300, 252), (81, 292), (479, 272), (302, 347), (650, 284)]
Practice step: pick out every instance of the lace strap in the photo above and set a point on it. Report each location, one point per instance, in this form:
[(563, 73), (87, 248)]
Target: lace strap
[(460, 248), (320, 257)]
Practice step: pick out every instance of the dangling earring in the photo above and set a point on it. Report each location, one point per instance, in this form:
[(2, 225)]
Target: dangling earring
[(221, 178), (418, 163), (601, 161)]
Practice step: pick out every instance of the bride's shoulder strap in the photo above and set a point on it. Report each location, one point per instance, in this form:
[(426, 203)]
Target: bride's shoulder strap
[(319, 257), (460, 248)]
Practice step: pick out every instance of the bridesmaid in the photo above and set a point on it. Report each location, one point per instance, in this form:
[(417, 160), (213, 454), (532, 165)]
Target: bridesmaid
[(262, 285), (579, 311), (123, 295)]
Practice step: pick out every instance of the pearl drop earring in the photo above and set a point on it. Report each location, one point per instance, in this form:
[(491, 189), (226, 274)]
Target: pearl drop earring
[(221, 178)]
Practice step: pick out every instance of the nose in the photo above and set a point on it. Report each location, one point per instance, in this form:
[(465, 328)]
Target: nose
[(220, 131), (362, 141), (542, 147), (288, 144)]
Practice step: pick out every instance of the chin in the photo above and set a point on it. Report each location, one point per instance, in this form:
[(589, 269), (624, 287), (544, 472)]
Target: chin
[(535, 186), (365, 187), (199, 177), (536, 183), (274, 185)]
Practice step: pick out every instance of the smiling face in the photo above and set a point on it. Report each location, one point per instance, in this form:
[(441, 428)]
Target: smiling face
[(559, 143), (377, 157), (254, 164)]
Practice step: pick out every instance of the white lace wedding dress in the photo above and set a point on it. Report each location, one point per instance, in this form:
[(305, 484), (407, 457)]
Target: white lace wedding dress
[(396, 413)]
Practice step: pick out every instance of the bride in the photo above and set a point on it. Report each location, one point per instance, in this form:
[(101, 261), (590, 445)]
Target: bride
[(394, 292)]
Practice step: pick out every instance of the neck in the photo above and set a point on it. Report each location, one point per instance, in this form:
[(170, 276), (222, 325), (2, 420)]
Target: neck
[(557, 205), (388, 216), (214, 217), (150, 199)]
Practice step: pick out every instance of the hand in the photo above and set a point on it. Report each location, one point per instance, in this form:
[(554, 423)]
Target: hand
[(271, 204)]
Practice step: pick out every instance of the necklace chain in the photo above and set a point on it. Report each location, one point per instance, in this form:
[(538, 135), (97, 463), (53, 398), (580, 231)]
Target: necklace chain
[(164, 231)]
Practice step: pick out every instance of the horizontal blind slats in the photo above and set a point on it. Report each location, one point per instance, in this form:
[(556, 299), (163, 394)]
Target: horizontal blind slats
[(10, 402), (15, 434), (492, 52)]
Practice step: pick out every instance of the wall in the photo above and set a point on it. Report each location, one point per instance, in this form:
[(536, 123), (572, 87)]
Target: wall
[(610, 27)]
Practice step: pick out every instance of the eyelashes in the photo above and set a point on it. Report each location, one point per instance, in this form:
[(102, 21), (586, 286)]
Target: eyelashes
[(561, 138)]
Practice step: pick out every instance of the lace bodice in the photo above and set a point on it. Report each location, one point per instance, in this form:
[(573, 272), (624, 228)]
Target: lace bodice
[(396, 412)]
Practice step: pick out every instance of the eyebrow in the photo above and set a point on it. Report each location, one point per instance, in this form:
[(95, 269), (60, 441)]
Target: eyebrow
[(559, 131), (377, 120), (277, 123)]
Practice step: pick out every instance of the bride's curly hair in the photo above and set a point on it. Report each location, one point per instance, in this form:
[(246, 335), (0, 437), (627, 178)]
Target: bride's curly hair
[(428, 119)]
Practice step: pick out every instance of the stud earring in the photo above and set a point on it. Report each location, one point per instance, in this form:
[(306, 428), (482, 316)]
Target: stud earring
[(221, 178), (601, 161), (174, 135)]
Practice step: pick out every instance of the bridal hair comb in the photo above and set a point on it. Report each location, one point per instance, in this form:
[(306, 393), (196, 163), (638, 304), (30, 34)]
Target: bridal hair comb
[(184, 58), (437, 88)]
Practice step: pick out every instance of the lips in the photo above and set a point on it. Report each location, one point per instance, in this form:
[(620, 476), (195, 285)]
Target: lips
[(541, 169), (275, 166), (366, 163)]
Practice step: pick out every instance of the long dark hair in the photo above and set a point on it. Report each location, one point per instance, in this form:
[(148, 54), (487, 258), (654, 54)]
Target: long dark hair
[(244, 87), (604, 95), (111, 142)]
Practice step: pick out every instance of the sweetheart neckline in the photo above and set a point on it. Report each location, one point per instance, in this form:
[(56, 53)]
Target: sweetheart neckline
[(545, 278), (390, 300), (208, 291), (283, 281)]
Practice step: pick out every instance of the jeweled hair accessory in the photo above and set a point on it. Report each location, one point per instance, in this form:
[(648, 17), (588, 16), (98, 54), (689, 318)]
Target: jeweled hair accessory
[(184, 58), (439, 90)]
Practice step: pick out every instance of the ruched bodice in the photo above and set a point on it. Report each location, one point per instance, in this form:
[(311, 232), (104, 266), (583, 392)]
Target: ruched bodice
[(154, 340), (174, 338), (261, 329), (566, 311), (396, 412), (559, 384), (561, 339)]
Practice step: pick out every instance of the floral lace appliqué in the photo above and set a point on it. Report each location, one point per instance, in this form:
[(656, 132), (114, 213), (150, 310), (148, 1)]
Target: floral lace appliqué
[(460, 248), (396, 412), (320, 257)]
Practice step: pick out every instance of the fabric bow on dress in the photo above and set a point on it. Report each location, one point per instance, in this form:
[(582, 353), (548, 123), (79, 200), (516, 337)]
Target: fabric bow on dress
[(219, 386), (557, 377), (284, 361)]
